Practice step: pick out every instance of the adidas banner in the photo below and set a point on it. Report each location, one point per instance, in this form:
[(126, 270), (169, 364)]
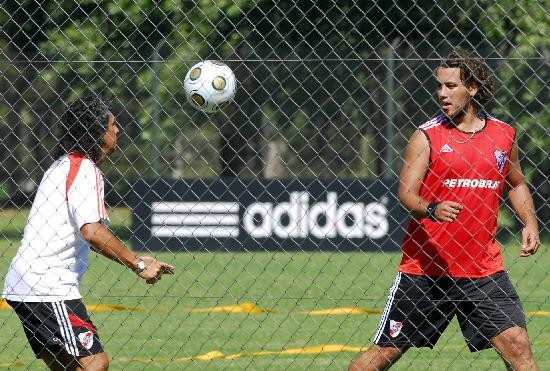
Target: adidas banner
[(236, 214)]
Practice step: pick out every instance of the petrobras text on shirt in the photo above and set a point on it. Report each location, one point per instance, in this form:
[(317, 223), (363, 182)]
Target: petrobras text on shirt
[(471, 183)]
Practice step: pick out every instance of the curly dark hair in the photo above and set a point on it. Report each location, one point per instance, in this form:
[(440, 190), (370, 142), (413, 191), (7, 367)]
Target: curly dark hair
[(472, 71), (82, 126)]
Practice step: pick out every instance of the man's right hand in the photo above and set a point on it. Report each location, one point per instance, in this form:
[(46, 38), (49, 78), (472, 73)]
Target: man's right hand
[(448, 211)]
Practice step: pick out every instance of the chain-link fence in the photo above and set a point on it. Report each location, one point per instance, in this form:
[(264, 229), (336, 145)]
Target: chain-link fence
[(280, 212)]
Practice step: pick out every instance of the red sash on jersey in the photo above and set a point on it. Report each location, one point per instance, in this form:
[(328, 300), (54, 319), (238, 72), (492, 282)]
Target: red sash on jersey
[(75, 160)]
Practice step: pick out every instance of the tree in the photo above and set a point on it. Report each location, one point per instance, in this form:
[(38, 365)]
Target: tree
[(518, 31), (312, 79)]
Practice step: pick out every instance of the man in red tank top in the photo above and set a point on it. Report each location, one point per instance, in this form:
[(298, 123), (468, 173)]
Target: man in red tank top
[(456, 167)]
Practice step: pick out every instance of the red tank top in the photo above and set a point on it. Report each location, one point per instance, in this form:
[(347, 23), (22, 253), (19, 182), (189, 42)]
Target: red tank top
[(473, 174)]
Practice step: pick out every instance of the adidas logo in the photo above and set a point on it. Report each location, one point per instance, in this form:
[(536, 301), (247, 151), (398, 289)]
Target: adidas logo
[(446, 149)]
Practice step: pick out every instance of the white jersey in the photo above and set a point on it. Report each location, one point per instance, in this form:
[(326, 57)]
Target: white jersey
[(53, 255)]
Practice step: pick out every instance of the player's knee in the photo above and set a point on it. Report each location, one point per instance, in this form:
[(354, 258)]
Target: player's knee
[(375, 358), (517, 349), (103, 364), (520, 347), (98, 366), (95, 363)]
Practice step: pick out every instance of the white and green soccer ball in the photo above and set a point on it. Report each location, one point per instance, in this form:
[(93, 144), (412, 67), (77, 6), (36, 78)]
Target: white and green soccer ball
[(210, 85)]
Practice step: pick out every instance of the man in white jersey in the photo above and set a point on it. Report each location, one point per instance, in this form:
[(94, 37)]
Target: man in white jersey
[(68, 217)]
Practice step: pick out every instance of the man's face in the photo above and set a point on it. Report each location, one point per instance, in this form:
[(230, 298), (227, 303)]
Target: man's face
[(452, 94), (110, 136)]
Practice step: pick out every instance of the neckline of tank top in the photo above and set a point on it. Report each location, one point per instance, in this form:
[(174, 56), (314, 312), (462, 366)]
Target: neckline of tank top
[(450, 126)]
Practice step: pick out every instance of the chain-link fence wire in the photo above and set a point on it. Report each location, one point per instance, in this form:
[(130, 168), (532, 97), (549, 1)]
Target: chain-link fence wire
[(326, 90)]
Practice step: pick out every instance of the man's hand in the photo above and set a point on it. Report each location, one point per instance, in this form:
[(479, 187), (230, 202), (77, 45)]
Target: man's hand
[(448, 211), (154, 269), (530, 241)]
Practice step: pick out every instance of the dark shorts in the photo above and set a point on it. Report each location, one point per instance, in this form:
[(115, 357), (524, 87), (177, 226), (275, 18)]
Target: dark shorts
[(55, 327), (419, 308)]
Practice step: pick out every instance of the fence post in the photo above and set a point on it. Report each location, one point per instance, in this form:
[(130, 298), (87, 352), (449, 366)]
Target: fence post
[(156, 107), (390, 110)]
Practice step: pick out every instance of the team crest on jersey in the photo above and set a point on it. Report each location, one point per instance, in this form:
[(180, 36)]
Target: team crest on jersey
[(395, 328), (87, 339), (501, 158)]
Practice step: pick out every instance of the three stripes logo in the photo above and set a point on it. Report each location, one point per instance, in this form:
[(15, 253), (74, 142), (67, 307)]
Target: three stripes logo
[(446, 149), (195, 219)]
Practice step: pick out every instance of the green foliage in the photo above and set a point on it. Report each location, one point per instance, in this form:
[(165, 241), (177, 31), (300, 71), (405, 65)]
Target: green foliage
[(320, 72), (519, 29), (117, 49)]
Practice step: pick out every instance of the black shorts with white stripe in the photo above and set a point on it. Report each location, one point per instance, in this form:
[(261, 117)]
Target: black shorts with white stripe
[(62, 326), (419, 308)]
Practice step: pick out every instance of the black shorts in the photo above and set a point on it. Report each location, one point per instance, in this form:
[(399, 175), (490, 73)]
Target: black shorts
[(419, 308), (62, 326)]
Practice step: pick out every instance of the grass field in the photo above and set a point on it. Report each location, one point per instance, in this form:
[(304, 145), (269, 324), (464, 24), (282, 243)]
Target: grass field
[(164, 332)]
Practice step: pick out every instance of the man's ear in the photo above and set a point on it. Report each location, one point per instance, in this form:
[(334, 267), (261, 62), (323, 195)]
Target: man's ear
[(473, 88)]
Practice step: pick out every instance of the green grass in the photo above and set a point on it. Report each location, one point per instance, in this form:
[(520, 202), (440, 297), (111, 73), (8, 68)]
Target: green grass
[(288, 283)]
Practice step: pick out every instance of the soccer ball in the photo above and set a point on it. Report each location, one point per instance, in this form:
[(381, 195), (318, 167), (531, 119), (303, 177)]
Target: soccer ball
[(210, 85)]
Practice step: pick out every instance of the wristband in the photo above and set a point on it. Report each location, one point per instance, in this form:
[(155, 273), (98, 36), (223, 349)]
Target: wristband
[(140, 267), (430, 211)]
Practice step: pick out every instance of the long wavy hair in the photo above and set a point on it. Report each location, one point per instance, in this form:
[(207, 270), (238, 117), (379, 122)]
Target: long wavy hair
[(83, 125), (473, 71)]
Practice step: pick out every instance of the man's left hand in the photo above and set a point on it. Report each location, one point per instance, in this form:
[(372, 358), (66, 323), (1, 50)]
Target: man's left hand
[(530, 241)]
